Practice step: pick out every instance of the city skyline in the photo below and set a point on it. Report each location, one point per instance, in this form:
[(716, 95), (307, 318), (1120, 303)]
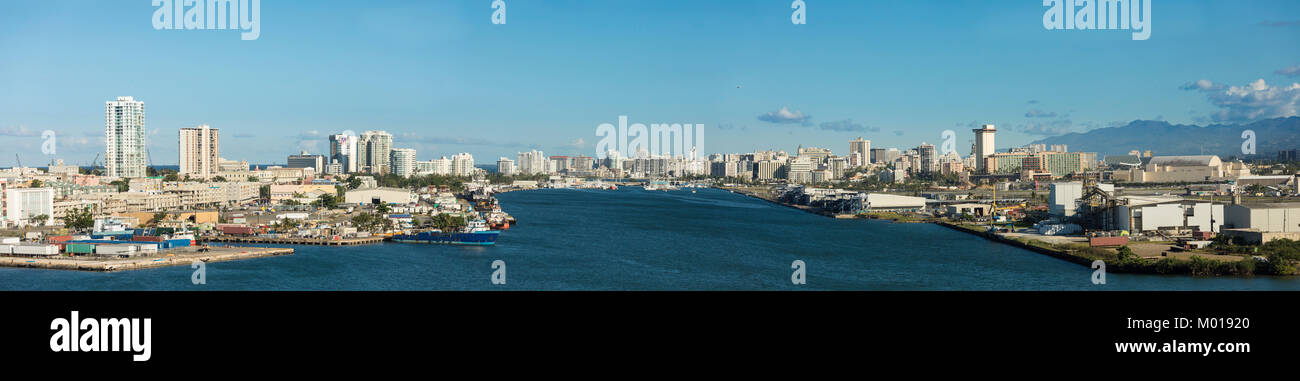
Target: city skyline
[(517, 87)]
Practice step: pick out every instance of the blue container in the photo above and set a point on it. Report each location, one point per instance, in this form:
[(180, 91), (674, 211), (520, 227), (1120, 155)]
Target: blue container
[(177, 243)]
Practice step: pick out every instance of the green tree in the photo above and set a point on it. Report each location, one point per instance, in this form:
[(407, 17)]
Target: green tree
[(79, 219), (264, 192), (171, 177), (123, 184), (327, 201), (383, 208), (219, 179), (253, 179), (158, 217), (37, 184), (39, 219)]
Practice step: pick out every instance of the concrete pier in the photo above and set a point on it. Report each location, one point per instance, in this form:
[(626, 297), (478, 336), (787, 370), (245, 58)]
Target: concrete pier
[(174, 257), (293, 240)]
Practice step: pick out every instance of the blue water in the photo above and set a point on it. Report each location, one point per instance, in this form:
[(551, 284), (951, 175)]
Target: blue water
[(632, 239)]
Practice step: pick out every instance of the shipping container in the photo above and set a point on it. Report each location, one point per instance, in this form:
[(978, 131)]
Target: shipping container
[(147, 238), (1107, 241), (6, 249), (10, 240), (172, 243), (120, 250), (147, 249), (237, 230), (58, 238), (79, 248), (42, 250)]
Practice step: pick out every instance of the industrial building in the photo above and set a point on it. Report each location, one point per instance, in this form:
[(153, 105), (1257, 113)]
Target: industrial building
[(1173, 169), (380, 196), (1259, 223), (1146, 214)]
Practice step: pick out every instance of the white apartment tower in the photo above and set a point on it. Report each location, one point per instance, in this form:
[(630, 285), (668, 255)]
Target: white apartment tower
[(505, 167), (343, 149), (403, 162), (983, 145), (124, 137), (374, 149), (199, 150), (462, 164)]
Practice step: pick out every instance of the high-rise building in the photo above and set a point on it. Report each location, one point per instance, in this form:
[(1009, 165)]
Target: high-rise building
[(374, 150), (125, 154), (304, 160), (403, 162), (462, 164), (505, 167), (929, 158), (862, 149), (984, 145), (343, 148), (199, 151), (533, 162)]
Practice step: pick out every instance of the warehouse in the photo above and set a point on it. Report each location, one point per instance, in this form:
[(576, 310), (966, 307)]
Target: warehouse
[(890, 202), (1143, 214), (1259, 223), (374, 196)]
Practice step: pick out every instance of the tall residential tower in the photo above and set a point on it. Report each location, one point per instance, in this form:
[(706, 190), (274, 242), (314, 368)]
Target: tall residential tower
[(125, 154), (199, 150)]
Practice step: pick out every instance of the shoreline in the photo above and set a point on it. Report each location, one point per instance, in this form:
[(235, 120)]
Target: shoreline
[(162, 259), (1161, 266)]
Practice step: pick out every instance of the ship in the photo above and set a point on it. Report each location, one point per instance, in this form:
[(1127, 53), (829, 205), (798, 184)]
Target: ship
[(476, 234)]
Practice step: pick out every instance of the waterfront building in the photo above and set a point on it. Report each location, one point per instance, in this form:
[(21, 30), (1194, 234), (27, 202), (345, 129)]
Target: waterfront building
[(198, 152), (21, 204), (125, 153), (505, 166), (984, 146), (1261, 223), (343, 149), (403, 162), (859, 150), (769, 170), (305, 160), (1064, 198)]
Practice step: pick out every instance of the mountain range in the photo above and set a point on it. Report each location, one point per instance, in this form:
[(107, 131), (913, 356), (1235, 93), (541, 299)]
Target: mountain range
[(1163, 139)]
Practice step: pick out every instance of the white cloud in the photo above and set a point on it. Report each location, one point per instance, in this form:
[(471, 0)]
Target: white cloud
[(1254, 101), (785, 116)]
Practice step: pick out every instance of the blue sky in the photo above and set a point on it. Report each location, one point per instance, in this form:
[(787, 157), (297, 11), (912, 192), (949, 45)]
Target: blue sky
[(443, 79)]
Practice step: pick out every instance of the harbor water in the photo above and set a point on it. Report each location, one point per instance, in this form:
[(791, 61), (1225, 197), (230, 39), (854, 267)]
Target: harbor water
[(634, 239)]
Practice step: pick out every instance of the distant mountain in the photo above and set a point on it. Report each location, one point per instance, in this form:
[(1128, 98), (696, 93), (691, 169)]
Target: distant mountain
[(1163, 139)]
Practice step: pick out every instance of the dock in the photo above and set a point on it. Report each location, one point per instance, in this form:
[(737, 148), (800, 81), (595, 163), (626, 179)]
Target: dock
[(178, 257), (293, 240)]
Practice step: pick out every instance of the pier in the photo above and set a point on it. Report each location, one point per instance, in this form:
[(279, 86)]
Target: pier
[(294, 240), (178, 257)]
